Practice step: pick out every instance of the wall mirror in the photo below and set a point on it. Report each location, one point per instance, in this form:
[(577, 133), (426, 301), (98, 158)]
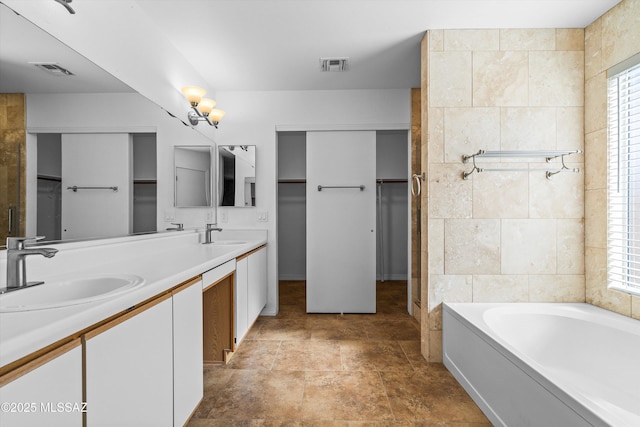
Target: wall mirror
[(20, 42), (193, 176), (237, 175)]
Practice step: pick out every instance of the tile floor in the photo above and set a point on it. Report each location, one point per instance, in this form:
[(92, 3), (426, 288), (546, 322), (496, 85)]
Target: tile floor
[(299, 369)]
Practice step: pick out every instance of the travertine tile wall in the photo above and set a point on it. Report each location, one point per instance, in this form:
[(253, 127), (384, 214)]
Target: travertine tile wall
[(611, 39), (503, 236), (12, 151)]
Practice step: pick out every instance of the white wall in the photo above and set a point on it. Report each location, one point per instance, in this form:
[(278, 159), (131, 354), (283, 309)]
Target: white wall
[(126, 112), (253, 118)]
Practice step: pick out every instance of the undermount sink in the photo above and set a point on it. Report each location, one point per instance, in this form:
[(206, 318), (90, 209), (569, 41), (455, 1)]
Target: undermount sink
[(64, 293), (228, 242)]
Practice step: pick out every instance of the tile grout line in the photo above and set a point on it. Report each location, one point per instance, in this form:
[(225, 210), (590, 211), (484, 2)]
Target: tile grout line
[(275, 357), (386, 395)]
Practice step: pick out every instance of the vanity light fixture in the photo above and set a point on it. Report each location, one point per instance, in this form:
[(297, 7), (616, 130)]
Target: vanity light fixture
[(201, 108)]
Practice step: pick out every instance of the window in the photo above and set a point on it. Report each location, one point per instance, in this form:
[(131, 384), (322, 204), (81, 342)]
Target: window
[(623, 193)]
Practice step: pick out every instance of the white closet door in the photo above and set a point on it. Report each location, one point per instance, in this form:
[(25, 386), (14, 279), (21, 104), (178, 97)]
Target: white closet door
[(341, 222), (96, 160)]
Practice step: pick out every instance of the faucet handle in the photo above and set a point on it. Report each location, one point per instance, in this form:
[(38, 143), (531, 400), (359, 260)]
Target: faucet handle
[(18, 242), (179, 225)]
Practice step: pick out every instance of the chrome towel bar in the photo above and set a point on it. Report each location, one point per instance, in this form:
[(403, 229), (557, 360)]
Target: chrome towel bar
[(321, 187), (547, 155)]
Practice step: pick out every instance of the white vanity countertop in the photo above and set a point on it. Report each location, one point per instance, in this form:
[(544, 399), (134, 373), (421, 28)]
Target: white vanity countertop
[(22, 333)]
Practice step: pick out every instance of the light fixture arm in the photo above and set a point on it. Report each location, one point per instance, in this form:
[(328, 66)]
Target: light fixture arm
[(195, 116), (201, 108)]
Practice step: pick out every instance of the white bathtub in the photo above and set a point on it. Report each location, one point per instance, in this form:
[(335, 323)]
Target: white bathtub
[(545, 364)]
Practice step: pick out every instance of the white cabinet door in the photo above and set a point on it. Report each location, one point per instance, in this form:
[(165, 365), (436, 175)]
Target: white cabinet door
[(241, 299), (33, 398), (129, 369), (257, 284), (341, 222), (187, 352)]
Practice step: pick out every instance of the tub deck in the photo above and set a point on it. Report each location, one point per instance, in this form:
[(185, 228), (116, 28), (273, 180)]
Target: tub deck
[(545, 364)]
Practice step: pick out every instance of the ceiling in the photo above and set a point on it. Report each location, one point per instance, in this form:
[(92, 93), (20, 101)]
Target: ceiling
[(276, 44), (267, 45), (22, 43)]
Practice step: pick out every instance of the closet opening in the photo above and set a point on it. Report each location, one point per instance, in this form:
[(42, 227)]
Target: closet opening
[(392, 220)]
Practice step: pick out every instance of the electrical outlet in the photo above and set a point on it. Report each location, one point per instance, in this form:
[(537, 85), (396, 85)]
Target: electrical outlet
[(169, 216), (224, 217), (208, 218), (263, 216)]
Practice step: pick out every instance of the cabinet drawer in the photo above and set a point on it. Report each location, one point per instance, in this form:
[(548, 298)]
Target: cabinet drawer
[(215, 274)]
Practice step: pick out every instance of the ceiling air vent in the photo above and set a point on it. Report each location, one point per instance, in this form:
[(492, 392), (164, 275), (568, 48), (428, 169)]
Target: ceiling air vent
[(53, 68), (333, 64)]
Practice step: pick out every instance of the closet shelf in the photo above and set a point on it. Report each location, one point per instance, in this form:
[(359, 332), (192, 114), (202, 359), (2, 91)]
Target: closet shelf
[(548, 155), (391, 180)]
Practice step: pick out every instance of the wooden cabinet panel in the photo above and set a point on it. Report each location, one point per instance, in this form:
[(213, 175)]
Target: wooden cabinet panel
[(217, 302)]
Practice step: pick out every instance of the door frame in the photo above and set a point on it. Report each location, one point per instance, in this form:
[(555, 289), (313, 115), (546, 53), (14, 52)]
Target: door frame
[(342, 127)]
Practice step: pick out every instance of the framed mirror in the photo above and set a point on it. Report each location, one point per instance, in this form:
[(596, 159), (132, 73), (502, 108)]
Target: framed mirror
[(237, 175), (192, 176)]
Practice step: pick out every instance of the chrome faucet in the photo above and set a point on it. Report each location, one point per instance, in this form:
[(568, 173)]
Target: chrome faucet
[(16, 266), (178, 226), (207, 233)]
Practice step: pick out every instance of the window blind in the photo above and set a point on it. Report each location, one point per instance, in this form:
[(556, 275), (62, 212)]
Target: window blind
[(623, 195)]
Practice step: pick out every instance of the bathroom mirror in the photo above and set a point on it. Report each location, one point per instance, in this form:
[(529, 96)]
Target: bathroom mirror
[(237, 175), (22, 42), (193, 176)]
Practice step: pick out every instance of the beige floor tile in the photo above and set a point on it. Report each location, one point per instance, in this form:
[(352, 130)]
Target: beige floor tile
[(282, 329), (254, 394), (337, 328), (308, 356), (327, 370), (429, 395), (353, 395), (373, 356), (255, 354), (399, 330)]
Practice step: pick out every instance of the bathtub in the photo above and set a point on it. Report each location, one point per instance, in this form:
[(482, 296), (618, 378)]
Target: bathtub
[(545, 364)]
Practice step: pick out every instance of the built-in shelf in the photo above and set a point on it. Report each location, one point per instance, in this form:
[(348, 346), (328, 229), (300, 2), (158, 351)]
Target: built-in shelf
[(50, 178), (391, 180)]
